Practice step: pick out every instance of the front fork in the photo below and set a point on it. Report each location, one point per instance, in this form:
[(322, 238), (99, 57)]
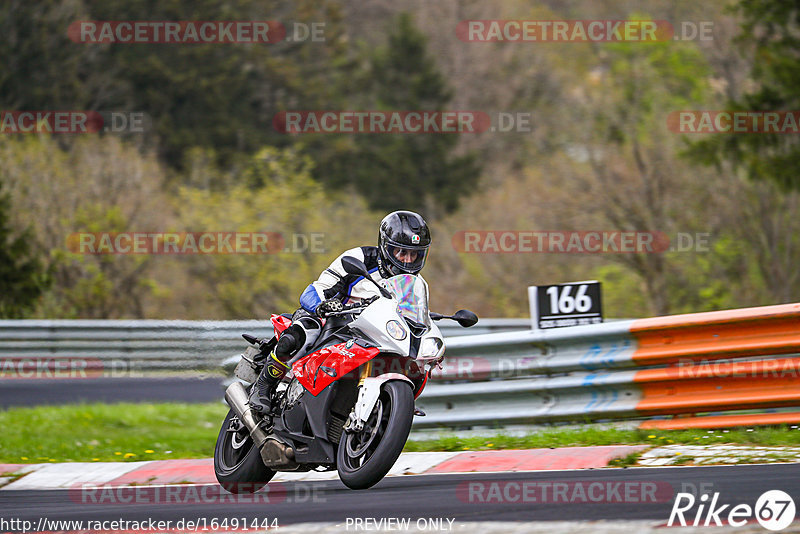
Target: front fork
[(369, 390)]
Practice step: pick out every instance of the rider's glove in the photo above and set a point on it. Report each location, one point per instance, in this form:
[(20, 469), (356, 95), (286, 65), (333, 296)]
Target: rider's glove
[(328, 306)]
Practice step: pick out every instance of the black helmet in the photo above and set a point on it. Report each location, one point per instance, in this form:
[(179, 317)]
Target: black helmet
[(403, 231)]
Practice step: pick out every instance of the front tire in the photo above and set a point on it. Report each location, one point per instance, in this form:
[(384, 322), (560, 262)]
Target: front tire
[(237, 461), (365, 457)]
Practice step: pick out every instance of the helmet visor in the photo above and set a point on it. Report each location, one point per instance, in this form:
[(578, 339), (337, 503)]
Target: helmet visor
[(407, 259)]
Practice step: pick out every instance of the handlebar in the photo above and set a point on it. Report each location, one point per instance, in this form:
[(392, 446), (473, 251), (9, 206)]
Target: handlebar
[(355, 307)]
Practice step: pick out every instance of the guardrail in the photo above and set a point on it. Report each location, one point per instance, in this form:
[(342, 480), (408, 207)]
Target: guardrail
[(727, 363), (701, 370), (121, 345)]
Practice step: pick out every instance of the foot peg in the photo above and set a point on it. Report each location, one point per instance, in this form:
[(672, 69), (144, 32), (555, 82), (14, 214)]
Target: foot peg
[(253, 340), (261, 406), (419, 412)]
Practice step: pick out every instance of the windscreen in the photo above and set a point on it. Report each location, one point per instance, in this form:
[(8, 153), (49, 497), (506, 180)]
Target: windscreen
[(412, 294)]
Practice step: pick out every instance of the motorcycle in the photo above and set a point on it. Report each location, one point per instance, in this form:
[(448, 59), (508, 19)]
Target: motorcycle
[(348, 404)]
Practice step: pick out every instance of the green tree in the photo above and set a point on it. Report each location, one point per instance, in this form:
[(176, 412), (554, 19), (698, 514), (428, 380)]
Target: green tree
[(403, 171), (22, 275), (765, 167), (316, 225), (98, 185), (771, 29), (211, 95), (635, 181)]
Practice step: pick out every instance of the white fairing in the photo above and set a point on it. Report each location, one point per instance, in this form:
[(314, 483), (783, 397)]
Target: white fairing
[(409, 302), (372, 322)]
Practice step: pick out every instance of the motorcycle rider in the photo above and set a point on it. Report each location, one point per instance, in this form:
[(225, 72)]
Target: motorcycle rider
[(403, 242)]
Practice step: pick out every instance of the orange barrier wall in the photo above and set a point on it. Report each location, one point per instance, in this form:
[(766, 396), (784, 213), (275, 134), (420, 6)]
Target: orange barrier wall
[(695, 381), (767, 330)]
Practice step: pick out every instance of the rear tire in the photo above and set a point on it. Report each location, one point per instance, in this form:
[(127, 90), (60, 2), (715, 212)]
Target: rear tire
[(378, 446), (237, 461)]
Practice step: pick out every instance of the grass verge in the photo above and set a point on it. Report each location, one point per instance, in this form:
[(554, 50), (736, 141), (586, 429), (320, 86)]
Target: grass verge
[(626, 461), (596, 435), (109, 432), (134, 432)]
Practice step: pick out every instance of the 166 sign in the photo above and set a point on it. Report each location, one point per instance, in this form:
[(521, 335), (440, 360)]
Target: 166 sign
[(571, 304)]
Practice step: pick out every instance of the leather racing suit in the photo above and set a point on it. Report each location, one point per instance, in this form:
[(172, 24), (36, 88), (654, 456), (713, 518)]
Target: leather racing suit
[(333, 283)]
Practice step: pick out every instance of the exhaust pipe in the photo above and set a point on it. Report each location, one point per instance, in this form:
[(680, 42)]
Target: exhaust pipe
[(273, 453), (237, 399)]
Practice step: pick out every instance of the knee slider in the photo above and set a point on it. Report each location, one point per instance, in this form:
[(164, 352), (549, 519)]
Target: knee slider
[(286, 344), (289, 342)]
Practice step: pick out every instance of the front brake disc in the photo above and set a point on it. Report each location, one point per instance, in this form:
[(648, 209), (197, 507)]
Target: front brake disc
[(377, 415)]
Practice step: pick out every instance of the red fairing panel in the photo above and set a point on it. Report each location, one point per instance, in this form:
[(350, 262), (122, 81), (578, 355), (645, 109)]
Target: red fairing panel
[(339, 358), (280, 323), (421, 387)]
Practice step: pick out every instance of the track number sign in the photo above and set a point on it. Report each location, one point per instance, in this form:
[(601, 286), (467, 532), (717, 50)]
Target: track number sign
[(571, 304)]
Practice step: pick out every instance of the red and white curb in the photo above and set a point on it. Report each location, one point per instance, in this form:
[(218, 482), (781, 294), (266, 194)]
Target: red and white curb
[(159, 472)]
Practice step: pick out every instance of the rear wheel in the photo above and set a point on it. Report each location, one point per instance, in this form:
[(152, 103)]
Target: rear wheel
[(365, 457), (237, 461)]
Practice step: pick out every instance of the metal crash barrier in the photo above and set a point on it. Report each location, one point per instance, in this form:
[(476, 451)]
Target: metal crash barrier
[(700, 370), (112, 347)]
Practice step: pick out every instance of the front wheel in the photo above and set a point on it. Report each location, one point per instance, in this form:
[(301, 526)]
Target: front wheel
[(365, 457), (237, 461)]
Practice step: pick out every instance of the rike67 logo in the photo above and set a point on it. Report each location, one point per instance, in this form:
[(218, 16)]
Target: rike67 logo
[(774, 510)]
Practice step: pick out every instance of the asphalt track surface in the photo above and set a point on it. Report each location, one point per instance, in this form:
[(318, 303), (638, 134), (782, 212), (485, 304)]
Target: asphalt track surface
[(429, 496), (22, 392)]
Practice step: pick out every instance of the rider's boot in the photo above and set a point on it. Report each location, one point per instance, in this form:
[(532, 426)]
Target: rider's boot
[(261, 396), (272, 373)]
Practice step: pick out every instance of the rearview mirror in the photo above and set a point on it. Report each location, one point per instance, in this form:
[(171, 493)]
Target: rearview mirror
[(354, 266), (465, 318)]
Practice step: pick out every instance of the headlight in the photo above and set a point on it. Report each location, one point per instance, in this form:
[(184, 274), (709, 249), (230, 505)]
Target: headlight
[(396, 330), (430, 347)]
